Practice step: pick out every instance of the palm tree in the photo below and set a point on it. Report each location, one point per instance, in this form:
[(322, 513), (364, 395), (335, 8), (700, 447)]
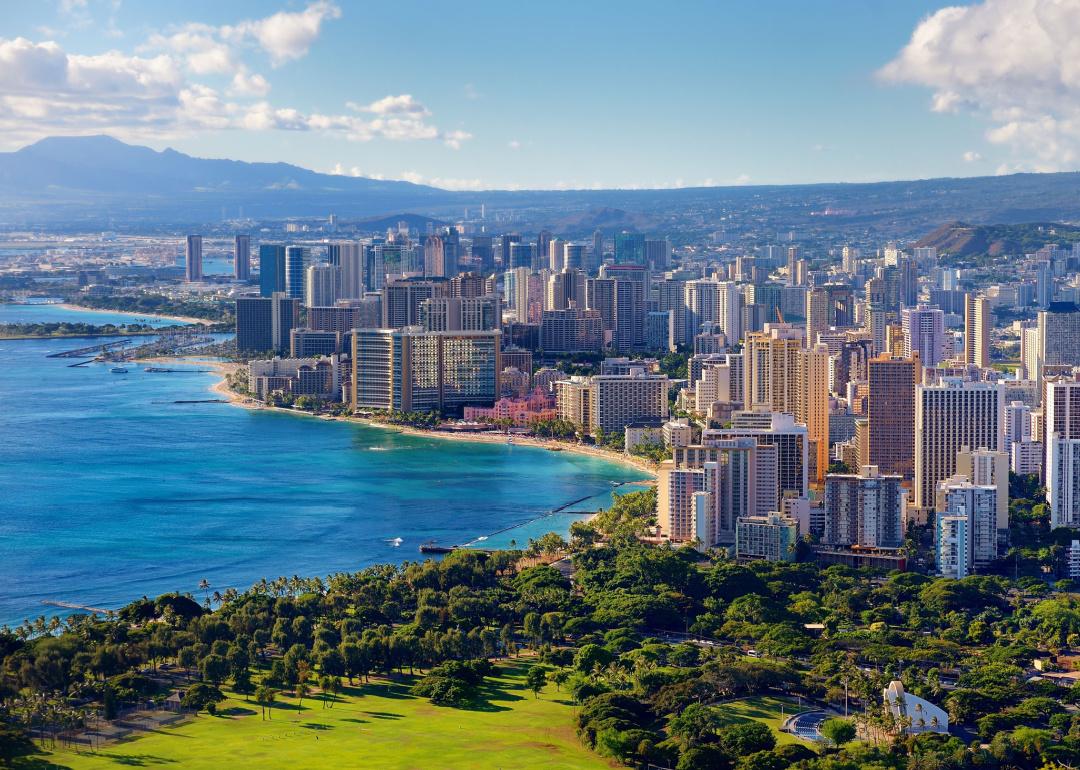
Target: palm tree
[(204, 585)]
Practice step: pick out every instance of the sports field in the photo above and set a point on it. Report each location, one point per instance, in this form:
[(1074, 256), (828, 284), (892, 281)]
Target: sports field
[(766, 709), (378, 725)]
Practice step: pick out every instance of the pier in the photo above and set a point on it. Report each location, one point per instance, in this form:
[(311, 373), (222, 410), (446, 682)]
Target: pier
[(74, 606)]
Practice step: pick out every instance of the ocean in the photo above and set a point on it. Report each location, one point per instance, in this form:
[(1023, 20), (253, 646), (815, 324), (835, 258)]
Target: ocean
[(111, 490)]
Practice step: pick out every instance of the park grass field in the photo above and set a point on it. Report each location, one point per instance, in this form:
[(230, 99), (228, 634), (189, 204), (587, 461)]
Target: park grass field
[(377, 725), (768, 710)]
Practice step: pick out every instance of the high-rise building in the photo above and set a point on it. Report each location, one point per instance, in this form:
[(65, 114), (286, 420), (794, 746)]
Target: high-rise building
[(438, 314), (977, 504), (571, 331), (402, 300), (864, 509), (308, 343), (948, 417), (271, 269), (522, 254), (771, 368), (295, 261), (891, 414), (952, 546), (658, 254), (483, 253), (813, 403), (322, 285), (413, 370), (977, 325), (351, 257), (242, 257), (596, 257), (573, 257), (702, 306), (193, 259), (506, 243), (263, 324), (630, 249), (1059, 334), (787, 436), (610, 402), (987, 468), (771, 537), (1063, 480), (924, 334)]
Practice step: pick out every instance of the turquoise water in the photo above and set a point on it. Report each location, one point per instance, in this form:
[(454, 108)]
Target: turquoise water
[(109, 490), (46, 313)]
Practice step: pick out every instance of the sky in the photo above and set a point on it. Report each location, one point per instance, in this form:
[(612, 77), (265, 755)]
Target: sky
[(560, 94)]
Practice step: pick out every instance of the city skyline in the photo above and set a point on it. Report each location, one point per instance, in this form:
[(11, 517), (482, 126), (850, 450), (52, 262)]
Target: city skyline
[(616, 99)]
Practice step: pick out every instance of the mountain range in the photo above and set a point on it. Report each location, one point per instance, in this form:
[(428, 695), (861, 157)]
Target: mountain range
[(91, 181)]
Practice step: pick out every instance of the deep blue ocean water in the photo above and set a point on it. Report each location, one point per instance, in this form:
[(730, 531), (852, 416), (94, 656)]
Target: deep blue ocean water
[(109, 490)]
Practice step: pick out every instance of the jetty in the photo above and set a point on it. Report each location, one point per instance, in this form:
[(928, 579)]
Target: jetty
[(74, 606), (92, 350)]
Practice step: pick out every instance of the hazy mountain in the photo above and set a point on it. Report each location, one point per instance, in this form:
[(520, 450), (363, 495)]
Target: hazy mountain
[(80, 182), (93, 173)]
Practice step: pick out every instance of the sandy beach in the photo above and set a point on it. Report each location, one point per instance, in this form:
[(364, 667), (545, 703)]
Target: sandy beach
[(181, 318), (221, 388)]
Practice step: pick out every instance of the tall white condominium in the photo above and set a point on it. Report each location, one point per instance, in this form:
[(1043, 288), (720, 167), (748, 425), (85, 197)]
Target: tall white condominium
[(978, 505), (949, 417), (351, 257), (865, 510), (986, 468), (1059, 334), (322, 286), (977, 318), (924, 333), (193, 259), (1017, 424), (556, 256), (729, 310), (242, 257), (702, 302), (952, 546), (1061, 408)]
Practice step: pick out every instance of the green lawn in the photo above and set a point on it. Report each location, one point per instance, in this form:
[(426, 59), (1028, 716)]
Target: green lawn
[(765, 709), (379, 725)]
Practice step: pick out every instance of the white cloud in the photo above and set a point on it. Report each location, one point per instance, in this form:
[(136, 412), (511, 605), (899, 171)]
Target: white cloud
[(286, 35), (971, 156), (741, 179), (446, 183), (403, 104), (514, 144), (1015, 63), (46, 90), (249, 84)]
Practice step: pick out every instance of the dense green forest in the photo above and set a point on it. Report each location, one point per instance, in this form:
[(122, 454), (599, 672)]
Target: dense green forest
[(646, 640)]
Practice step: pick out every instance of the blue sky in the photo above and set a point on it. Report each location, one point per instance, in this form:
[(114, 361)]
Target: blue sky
[(548, 94)]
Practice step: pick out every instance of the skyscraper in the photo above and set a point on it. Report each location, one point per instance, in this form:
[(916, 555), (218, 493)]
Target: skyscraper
[(924, 333), (949, 417), (630, 249), (891, 414), (322, 285), (976, 330), (271, 269), (242, 257), (351, 258), (1059, 334), (264, 324), (864, 509), (294, 272), (193, 259)]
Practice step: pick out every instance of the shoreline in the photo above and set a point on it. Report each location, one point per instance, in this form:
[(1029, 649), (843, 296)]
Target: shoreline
[(221, 388), (181, 318)]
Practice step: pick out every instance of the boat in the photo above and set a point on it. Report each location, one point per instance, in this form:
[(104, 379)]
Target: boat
[(432, 547), (119, 370)]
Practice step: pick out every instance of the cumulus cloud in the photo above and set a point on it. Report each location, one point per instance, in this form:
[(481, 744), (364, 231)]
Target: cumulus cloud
[(971, 156), (446, 183), (153, 94), (1015, 63), (286, 35)]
